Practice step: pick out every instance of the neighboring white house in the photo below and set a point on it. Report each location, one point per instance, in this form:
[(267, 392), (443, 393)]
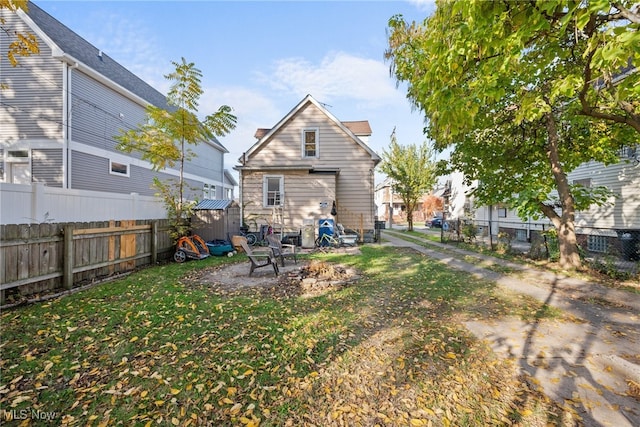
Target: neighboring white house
[(620, 216), (62, 108)]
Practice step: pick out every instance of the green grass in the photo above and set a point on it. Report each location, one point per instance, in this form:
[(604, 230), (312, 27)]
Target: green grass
[(159, 347)]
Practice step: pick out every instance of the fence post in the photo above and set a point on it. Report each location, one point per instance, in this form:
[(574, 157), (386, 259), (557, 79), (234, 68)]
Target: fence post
[(154, 242), (67, 273), (490, 236)]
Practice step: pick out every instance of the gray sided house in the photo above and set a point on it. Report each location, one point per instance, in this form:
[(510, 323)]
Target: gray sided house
[(307, 163), (62, 108)]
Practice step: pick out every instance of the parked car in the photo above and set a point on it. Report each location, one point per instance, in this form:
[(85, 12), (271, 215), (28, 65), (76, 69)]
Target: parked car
[(434, 223)]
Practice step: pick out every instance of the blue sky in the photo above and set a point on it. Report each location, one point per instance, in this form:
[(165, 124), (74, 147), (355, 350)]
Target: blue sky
[(262, 57)]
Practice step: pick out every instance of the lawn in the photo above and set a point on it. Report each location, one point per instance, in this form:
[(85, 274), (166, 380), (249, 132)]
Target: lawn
[(160, 348)]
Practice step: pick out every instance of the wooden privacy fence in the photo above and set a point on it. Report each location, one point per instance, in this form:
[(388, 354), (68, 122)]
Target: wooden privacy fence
[(39, 258)]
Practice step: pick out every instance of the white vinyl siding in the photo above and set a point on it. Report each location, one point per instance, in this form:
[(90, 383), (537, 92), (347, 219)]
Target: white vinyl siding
[(623, 207)]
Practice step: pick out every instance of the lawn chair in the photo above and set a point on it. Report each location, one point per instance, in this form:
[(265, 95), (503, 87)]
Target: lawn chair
[(258, 259), (281, 250)]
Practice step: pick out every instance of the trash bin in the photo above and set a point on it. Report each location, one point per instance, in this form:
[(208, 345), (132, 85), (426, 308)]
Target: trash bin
[(325, 228), (630, 249), (308, 234)]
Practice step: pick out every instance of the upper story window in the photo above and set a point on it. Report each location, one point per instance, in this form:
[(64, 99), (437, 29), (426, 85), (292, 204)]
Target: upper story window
[(310, 142), (273, 188), (116, 168), (208, 191)]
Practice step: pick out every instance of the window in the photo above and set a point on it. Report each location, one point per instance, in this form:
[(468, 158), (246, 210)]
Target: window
[(310, 143), (586, 182), (227, 194), (272, 190), (116, 168), (597, 243), (18, 167), (502, 212), (208, 191)]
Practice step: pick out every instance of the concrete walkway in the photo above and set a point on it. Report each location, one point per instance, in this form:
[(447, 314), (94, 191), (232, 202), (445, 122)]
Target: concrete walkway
[(590, 366)]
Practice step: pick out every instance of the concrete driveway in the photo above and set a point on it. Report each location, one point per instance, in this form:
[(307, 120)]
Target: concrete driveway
[(590, 366)]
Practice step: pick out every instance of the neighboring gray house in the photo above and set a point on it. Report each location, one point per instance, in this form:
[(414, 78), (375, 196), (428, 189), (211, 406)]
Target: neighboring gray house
[(61, 109)]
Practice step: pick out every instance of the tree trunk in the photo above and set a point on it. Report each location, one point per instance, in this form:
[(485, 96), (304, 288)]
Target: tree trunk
[(564, 223), (568, 246)]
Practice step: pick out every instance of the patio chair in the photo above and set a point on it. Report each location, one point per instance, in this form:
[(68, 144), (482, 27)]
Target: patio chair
[(258, 259), (281, 250)]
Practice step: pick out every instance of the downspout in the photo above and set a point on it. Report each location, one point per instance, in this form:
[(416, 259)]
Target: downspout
[(66, 123)]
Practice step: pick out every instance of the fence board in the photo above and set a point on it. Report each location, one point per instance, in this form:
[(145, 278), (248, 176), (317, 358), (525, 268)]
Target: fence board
[(32, 256)]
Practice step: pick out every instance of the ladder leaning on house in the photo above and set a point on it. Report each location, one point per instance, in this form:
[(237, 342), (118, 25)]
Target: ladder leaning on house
[(277, 220)]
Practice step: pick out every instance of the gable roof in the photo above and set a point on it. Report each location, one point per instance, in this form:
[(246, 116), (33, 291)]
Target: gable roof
[(264, 135), (73, 48), (229, 179)]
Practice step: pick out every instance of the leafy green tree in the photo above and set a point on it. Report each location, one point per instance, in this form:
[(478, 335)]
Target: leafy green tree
[(524, 92), (411, 170), (164, 138)]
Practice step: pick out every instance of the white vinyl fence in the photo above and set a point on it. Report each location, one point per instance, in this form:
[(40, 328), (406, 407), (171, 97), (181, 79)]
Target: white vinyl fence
[(36, 203)]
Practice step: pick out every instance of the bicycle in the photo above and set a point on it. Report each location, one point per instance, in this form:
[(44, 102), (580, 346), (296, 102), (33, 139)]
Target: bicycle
[(251, 237), (328, 241), (257, 237), (333, 241)]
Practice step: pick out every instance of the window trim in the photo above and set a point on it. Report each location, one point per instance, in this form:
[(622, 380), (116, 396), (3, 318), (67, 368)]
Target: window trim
[(265, 190), (316, 131), (116, 173)]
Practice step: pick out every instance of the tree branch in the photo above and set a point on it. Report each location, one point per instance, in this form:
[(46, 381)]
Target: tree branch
[(633, 16)]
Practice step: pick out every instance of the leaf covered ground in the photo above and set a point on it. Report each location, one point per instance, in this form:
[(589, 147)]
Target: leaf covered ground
[(163, 348)]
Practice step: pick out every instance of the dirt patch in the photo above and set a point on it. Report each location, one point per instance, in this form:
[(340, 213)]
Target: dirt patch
[(308, 278)]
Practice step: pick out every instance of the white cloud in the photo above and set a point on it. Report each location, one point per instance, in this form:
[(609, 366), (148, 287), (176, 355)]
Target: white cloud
[(253, 109), (338, 76), (131, 44), (424, 5)]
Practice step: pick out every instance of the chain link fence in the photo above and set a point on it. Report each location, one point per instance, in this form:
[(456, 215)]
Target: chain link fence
[(604, 248)]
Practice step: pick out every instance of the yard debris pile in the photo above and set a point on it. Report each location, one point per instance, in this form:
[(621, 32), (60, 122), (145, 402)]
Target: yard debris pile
[(321, 276), (304, 278)]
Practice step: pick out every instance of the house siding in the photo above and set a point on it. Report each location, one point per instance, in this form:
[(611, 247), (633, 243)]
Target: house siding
[(303, 195), (89, 172), (98, 114), (351, 188), (46, 167), (37, 81), (622, 210), (207, 163)]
